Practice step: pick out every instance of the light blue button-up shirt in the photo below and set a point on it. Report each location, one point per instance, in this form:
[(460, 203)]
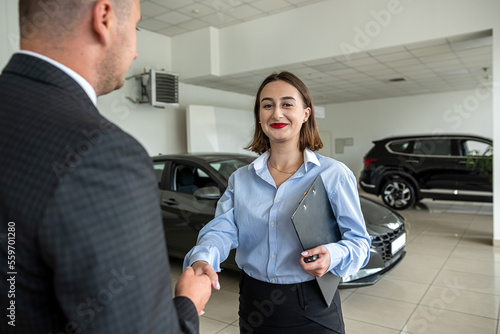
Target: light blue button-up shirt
[(254, 217)]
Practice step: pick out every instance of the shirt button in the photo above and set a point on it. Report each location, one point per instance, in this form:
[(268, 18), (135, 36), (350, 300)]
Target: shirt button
[(272, 256), (273, 281), (272, 224), (277, 199)]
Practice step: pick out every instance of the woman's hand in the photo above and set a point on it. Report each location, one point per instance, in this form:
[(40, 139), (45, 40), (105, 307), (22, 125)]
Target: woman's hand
[(318, 267), (203, 268)]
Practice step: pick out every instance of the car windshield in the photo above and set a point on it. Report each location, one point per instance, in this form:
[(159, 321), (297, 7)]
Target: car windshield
[(227, 167)]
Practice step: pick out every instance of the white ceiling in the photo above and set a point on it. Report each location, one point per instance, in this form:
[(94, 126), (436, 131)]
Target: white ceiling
[(174, 17), (449, 64)]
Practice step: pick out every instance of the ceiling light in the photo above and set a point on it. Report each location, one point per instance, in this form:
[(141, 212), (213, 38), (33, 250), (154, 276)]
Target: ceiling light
[(329, 67), (396, 80)]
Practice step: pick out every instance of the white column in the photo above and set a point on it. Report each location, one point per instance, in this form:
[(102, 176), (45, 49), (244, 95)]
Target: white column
[(496, 136)]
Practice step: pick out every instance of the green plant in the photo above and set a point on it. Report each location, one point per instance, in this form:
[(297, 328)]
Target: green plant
[(483, 162)]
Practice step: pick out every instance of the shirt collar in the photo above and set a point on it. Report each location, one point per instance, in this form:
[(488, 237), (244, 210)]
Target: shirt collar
[(87, 87), (309, 157), (260, 161)]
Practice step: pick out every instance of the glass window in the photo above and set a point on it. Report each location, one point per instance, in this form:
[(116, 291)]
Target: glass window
[(183, 179), (401, 146), (228, 167), (188, 179), (476, 148), (434, 146), (159, 167)]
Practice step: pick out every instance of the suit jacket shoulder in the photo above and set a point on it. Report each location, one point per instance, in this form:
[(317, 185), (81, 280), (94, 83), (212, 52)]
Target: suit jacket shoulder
[(83, 196)]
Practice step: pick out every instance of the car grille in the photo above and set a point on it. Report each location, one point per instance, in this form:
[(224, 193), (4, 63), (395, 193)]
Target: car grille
[(382, 243)]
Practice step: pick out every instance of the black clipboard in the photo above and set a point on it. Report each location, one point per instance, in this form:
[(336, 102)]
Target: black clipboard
[(316, 225)]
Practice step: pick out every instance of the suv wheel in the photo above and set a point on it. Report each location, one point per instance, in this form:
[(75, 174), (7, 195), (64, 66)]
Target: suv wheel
[(398, 193)]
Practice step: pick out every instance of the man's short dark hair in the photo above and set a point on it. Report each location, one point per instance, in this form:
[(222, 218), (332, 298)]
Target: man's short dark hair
[(57, 18)]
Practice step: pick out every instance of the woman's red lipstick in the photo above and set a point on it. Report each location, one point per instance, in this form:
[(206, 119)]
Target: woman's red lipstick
[(278, 125)]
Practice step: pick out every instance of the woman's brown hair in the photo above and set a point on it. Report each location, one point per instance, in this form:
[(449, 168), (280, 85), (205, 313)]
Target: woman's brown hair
[(309, 135)]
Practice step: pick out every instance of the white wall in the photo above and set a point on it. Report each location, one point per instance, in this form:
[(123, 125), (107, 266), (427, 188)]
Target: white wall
[(456, 112), (190, 94), (188, 63), (9, 30), (4, 52), (211, 129), (496, 139)]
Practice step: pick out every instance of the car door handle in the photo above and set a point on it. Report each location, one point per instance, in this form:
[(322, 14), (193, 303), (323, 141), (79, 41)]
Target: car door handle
[(413, 161), (170, 201)]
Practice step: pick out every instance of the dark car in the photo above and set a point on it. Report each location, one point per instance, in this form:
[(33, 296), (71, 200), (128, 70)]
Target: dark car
[(404, 170), (190, 186)]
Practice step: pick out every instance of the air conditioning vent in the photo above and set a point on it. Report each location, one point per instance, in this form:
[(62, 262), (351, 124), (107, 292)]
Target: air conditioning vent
[(163, 88)]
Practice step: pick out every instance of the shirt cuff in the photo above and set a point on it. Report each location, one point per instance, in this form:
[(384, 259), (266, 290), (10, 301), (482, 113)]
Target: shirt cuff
[(335, 255), (209, 255)]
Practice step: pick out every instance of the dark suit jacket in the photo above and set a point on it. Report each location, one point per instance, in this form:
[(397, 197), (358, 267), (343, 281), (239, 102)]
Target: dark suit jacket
[(81, 197)]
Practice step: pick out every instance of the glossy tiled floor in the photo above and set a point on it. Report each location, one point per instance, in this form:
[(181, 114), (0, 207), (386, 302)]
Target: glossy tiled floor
[(449, 282)]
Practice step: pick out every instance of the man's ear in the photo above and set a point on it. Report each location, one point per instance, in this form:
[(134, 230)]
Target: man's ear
[(102, 19)]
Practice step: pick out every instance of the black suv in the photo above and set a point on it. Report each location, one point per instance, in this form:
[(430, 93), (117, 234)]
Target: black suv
[(405, 169)]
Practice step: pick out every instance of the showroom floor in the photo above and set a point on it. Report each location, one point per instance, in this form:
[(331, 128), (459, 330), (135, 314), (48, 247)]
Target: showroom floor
[(449, 281)]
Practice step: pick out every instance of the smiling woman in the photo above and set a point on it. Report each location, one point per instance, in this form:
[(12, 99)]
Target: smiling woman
[(253, 216), (309, 134), (282, 110)]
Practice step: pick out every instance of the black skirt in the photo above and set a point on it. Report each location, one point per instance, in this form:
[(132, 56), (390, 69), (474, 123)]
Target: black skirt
[(267, 308)]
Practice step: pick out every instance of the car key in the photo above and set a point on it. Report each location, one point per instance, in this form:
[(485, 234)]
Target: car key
[(311, 258)]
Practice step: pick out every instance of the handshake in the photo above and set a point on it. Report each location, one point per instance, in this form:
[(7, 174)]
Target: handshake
[(196, 283)]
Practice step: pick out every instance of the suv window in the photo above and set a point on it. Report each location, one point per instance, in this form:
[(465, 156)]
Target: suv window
[(402, 146), (476, 148), (435, 146)]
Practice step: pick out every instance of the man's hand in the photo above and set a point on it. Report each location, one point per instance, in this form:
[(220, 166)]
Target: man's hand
[(318, 267), (195, 287), (203, 268)]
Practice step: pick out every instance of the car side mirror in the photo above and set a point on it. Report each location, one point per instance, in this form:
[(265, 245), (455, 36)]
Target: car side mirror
[(207, 193)]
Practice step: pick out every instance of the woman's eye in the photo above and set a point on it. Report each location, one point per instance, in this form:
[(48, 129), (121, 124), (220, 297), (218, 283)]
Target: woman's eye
[(267, 106), (287, 105)]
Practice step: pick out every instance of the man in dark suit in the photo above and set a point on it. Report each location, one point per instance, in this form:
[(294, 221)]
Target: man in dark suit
[(81, 238)]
